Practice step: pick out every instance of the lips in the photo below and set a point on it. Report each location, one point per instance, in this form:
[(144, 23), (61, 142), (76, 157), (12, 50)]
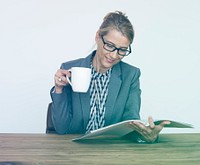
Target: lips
[(110, 60)]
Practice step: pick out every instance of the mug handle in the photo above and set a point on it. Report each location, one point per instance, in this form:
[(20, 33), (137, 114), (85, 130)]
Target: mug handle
[(69, 81)]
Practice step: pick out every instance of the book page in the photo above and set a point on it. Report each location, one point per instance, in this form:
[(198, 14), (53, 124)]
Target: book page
[(122, 128)]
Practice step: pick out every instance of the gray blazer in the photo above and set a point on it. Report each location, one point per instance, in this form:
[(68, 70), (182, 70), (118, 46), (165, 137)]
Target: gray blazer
[(71, 110)]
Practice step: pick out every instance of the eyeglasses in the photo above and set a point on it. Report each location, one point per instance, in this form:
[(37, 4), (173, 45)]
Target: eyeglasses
[(111, 48)]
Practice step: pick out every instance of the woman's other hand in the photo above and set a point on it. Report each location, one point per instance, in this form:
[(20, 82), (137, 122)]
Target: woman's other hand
[(149, 133)]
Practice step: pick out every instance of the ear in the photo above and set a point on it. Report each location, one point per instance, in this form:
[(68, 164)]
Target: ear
[(97, 37)]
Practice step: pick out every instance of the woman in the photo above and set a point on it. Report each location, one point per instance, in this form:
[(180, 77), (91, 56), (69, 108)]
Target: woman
[(114, 93)]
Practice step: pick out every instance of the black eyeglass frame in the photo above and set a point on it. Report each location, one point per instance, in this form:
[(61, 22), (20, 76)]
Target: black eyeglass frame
[(115, 48)]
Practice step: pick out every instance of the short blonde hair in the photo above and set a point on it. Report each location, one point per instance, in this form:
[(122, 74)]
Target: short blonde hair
[(118, 21)]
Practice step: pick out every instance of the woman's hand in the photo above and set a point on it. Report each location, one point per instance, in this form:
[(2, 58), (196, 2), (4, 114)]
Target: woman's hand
[(149, 133), (60, 79)]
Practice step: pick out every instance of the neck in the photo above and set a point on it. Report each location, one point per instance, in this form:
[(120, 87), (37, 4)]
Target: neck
[(97, 65)]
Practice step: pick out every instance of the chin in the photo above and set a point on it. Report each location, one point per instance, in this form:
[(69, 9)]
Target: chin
[(108, 65)]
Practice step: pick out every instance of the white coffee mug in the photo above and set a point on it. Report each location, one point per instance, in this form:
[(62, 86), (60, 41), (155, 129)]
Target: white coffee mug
[(80, 79)]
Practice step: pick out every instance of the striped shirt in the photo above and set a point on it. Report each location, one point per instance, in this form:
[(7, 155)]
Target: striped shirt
[(98, 96)]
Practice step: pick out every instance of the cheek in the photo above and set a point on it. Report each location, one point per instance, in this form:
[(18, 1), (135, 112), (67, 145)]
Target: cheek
[(103, 53), (100, 51)]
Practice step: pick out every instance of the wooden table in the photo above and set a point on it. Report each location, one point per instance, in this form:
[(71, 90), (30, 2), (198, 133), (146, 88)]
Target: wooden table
[(41, 149)]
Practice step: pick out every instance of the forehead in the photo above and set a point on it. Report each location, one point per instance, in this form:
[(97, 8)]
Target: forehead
[(117, 38)]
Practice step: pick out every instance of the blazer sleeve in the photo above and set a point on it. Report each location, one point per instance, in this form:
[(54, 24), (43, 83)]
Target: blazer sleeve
[(61, 110), (62, 106)]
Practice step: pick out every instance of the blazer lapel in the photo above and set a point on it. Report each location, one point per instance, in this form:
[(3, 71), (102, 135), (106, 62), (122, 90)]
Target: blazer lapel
[(114, 86)]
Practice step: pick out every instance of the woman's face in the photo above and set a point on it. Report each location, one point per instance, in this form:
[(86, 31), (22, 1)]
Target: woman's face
[(104, 58)]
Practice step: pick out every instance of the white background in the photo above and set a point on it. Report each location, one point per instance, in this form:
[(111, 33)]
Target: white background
[(36, 36)]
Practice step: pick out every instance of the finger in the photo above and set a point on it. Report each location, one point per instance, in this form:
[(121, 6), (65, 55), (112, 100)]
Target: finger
[(59, 79), (62, 73), (165, 123), (62, 79), (158, 128), (138, 126), (60, 76), (151, 122), (65, 72), (59, 82)]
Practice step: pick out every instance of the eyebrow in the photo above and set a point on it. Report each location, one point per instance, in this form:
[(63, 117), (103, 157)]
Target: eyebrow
[(126, 47)]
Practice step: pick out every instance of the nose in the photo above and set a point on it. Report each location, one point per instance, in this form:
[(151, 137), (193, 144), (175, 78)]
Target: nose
[(114, 54)]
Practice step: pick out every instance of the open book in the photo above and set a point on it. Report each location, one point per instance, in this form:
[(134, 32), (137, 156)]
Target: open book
[(122, 128)]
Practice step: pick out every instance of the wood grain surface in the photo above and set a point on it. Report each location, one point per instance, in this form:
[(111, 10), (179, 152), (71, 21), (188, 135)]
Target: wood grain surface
[(49, 149)]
